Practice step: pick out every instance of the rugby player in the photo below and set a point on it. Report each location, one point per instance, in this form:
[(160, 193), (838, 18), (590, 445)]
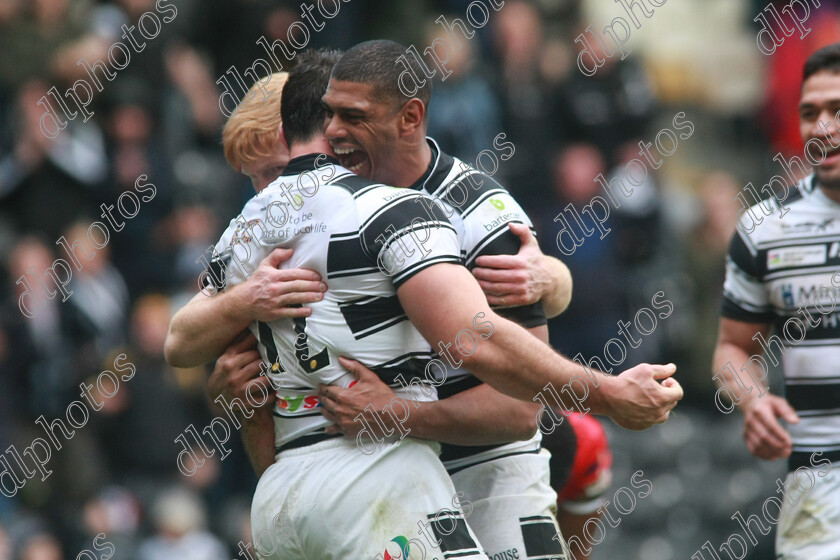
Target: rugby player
[(503, 474), (782, 274), (322, 499), (667, 384)]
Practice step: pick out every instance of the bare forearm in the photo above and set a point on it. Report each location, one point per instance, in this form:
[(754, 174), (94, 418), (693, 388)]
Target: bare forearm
[(727, 360), (477, 416), (258, 439), (512, 349), (735, 346), (558, 298), (201, 330)]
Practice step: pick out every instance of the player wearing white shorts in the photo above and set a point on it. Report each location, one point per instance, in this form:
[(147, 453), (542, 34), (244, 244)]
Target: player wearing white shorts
[(507, 479), (783, 273), (322, 498), (441, 304)]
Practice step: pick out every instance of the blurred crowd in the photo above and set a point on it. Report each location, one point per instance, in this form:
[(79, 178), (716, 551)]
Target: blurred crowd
[(160, 117)]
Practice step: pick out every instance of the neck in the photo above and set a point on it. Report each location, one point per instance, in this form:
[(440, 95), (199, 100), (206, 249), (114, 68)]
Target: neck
[(411, 164), (317, 145)]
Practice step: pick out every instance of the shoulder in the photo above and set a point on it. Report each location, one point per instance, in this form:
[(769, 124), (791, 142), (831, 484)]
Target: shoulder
[(461, 172), (467, 189), (774, 213)]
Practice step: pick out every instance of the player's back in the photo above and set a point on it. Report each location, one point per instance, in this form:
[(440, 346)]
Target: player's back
[(350, 231)]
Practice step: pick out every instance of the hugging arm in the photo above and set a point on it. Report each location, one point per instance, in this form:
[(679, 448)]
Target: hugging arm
[(444, 298), (201, 330), (525, 278)]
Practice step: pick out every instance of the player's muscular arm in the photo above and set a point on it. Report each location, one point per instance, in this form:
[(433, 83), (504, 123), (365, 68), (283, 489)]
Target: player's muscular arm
[(559, 294), (443, 299), (236, 370), (478, 416), (526, 277), (258, 439), (763, 433), (201, 330), (735, 344), (482, 415)]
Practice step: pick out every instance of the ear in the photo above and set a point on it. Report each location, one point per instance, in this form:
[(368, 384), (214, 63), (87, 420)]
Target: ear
[(282, 136), (412, 116)]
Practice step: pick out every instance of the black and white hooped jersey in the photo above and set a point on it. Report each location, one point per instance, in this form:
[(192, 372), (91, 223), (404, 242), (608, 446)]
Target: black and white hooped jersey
[(480, 209), (351, 231), (786, 272)]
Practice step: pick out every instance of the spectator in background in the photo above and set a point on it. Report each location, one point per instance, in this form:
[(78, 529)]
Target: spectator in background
[(138, 425), (705, 259), (142, 250), (595, 267), (193, 95), (116, 512), (40, 546), (526, 97), (51, 344), (99, 294), (45, 184), (180, 520), (650, 254), (637, 217), (609, 109), (465, 115), (33, 32), (192, 230), (5, 542), (191, 129)]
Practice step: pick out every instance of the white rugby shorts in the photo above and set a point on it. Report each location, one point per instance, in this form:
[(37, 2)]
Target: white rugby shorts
[(330, 501), (513, 507), (810, 528)]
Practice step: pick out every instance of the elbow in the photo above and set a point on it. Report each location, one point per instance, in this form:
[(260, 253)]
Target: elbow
[(470, 362), (524, 422), (566, 298), (173, 351), (480, 364), (564, 295), (170, 351)]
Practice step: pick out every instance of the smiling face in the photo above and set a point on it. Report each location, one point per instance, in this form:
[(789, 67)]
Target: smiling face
[(819, 118), (363, 130)]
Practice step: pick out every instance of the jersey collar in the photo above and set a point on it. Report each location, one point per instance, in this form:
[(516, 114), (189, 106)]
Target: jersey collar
[(437, 171), (309, 162), (823, 198)]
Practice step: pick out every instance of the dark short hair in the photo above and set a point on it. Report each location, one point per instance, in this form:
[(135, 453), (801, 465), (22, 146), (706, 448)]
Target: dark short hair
[(301, 109), (826, 58), (375, 63)]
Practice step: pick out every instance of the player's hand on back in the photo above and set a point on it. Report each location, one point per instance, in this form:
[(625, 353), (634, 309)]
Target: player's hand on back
[(342, 406), (236, 370), (636, 399), (270, 291), (765, 436), (514, 280)]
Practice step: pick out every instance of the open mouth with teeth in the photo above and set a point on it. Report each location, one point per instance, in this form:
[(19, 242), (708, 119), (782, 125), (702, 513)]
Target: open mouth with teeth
[(351, 158)]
